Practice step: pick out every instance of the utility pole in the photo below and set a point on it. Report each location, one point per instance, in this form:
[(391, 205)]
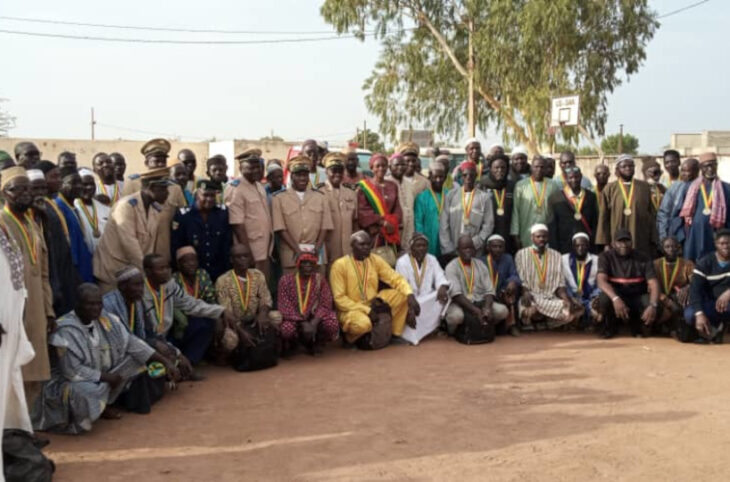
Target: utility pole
[(364, 134), (470, 66), (621, 139), (93, 123)]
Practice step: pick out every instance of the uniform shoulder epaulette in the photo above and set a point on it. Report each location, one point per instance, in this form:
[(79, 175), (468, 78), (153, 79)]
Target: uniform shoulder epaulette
[(318, 190), (222, 206), (280, 191), (234, 182), (184, 209), (132, 177), (352, 187), (132, 201)]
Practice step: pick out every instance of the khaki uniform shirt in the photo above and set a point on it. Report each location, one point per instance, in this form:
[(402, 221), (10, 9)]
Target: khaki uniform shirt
[(302, 219), (175, 200), (130, 234), (343, 207), (247, 205)]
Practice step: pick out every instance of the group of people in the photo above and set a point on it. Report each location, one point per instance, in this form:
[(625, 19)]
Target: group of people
[(119, 287)]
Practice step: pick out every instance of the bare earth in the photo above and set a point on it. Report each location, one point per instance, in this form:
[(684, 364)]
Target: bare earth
[(541, 407)]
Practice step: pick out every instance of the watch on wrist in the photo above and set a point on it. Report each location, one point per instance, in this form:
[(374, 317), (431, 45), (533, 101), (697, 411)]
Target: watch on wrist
[(655, 305)]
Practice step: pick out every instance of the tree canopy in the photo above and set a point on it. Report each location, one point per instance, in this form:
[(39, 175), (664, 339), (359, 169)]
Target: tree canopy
[(525, 52), (368, 139), (630, 144)]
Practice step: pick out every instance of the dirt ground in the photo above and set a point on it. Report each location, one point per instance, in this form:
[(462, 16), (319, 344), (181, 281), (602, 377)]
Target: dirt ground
[(540, 407)]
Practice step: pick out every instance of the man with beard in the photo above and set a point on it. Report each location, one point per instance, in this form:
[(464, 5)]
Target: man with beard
[(70, 190), (531, 203), (668, 221), (544, 297), (567, 161), (574, 210), (410, 151), (626, 204), (705, 209), (467, 210), (355, 282), (501, 190), (629, 288), (428, 206), (674, 274), (108, 189), (652, 172), (92, 213), (62, 274), (39, 317), (216, 168), (473, 150)]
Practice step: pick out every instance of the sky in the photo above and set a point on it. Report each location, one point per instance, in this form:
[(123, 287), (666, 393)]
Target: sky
[(295, 90)]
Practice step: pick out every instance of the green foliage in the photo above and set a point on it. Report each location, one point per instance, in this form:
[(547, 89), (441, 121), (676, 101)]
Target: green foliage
[(578, 151), (526, 51), (272, 138), (374, 144), (610, 144)]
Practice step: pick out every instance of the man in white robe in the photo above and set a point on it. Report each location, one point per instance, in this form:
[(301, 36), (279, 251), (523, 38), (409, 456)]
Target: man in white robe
[(429, 284), (15, 349)]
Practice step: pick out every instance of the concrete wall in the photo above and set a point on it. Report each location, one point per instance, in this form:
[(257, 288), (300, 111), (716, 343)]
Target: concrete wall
[(85, 150)]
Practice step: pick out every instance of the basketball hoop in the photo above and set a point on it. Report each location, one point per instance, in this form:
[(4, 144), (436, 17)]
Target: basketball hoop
[(564, 111)]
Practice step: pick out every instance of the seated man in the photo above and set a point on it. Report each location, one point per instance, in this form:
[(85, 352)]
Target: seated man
[(125, 302), (429, 284), (193, 334), (305, 303), (162, 296), (243, 291), (544, 297), (708, 312), (674, 274), (629, 288), (505, 280), (580, 269), (354, 280), (97, 359), (471, 291)]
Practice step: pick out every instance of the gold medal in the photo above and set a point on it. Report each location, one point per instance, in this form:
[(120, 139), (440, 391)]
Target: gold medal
[(706, 211), (577, 216), (579, 293), (500, 212), (466, 223), (96, 233), (627, 212)]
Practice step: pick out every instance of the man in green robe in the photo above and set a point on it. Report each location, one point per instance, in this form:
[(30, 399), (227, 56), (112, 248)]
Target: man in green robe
[(428, 206), (530, 205)]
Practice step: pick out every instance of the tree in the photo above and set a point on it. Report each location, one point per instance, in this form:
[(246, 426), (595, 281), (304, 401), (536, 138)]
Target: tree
[(373, 144), (524, 52), (272, 138), (610, 144), (7, 121)]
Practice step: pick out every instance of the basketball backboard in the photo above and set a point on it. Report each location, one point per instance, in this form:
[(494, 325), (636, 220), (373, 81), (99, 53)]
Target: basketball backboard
[(565, 111)]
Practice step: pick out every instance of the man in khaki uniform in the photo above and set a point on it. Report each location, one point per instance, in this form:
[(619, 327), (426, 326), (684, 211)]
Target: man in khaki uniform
[(301, 215), (155, 154), (133, 228), (420, 183), (248, 210), (343, 207), (38, 316)]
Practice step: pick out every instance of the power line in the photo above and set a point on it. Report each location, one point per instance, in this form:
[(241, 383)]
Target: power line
[(674, 12), (155, 133), (165, 29), (178, 42)]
